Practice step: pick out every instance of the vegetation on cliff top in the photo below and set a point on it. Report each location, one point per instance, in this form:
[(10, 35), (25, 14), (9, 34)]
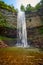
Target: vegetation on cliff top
[(3, 5), (29, 8), (38, 8)]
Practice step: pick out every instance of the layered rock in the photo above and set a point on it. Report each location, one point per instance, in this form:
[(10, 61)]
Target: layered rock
[(10, 17), (33, 19), (3, 45), (8, 32), (34, 23)]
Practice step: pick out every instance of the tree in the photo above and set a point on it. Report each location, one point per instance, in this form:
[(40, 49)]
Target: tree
[(22, 8), (28, 8), (38, 6), (3, 5), (41, 2)]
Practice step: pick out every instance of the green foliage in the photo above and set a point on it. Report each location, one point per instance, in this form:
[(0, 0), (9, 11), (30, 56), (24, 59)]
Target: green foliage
[(3, 21), (22, 8), (29, 8), (38, 6), (41, 2), (7, 7)]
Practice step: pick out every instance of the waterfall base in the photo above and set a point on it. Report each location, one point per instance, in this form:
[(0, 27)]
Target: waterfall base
[(22, 46)]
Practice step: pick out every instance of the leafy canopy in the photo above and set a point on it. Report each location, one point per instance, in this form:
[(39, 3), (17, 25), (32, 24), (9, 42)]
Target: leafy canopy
[(22, 8)]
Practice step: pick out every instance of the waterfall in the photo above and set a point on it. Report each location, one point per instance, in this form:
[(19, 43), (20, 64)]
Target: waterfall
[(21, 30)]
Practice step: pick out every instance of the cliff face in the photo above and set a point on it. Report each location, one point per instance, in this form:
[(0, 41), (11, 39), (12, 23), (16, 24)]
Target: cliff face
[(10, 17), (34, 29), (35, 36), (8, 23), (8, 32), (33, 19), (8, 28), (2, 44)]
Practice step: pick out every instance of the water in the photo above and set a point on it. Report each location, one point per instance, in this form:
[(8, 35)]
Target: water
[(21, 30)]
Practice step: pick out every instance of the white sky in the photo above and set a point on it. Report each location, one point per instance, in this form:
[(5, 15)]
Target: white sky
[(25, 2)]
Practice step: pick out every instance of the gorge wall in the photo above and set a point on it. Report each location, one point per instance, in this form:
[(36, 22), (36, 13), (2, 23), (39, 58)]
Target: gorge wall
[(34, 29), (9, 29)]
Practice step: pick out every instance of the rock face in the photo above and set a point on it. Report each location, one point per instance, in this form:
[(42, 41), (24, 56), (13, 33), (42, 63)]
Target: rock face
[(10, 43), (34, 23), (8, 32), (10, 17), (35, 37), (2, 44), (33, 20)]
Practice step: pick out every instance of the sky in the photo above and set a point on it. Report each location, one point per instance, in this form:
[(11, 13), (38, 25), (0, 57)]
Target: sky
[(17, 3)]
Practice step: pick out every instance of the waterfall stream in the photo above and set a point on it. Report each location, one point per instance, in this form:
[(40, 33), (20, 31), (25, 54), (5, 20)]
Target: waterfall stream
[(21, 30)]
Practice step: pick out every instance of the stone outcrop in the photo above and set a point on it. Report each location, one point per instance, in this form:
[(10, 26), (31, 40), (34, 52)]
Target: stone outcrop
[(35, 38), (33, 19), (34, 22), (3, 45), (8, 32)]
